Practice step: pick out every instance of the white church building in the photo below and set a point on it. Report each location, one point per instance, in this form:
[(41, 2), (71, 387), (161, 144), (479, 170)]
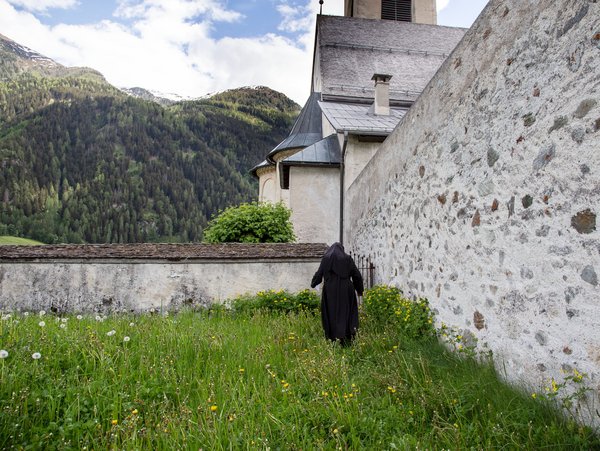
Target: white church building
[(369, 67)]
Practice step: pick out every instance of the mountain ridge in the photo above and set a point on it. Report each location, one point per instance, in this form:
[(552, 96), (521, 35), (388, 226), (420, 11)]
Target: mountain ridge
[(85, 162)]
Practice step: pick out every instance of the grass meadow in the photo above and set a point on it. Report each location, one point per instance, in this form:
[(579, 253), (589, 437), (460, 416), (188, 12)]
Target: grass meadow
[(5, 239), (217, 380)]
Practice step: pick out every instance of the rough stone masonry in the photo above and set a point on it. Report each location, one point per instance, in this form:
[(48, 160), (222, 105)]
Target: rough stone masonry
[(485, 198)]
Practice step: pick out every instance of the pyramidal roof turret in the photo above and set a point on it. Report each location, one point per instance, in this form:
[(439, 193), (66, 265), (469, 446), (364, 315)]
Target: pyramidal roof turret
[(307, 129)]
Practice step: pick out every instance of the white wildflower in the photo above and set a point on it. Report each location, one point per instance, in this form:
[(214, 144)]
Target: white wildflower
[(126, 339), (42, 324), (64, 320), (42, 312), (131, 324), (3, 353), (110, 333), (79, 317), (63, 325), (99, 318), (36, 356), (25, 313)]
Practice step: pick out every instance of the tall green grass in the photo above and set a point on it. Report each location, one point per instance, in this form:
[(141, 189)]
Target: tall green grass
[(217, 380), (5, 239)]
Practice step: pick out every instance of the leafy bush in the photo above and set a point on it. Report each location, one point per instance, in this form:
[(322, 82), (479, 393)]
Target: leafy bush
[(277, 301), (254, 222), (385, 304)]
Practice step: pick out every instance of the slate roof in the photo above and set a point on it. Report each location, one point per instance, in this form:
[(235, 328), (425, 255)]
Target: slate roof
[(324, 152), (356, 118), (307, 129), (163, 251), (262, 164), (350, 50)]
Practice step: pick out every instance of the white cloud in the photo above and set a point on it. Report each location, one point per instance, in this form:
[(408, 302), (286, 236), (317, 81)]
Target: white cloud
[(441, 4), (43, 5), (167, 46)]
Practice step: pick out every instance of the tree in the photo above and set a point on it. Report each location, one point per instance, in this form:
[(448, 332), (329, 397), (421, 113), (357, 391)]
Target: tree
[(253, 222)]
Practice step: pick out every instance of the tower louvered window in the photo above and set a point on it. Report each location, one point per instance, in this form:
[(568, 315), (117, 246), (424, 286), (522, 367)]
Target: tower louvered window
[(397, 10)]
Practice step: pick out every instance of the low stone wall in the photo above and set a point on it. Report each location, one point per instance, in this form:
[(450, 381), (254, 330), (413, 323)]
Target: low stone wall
[(139, 277), (485, 198)]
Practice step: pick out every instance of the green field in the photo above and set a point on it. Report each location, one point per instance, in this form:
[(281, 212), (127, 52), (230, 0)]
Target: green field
[(17, 241), (220, 380)]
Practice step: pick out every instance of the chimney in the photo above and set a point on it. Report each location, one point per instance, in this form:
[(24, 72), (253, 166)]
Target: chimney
[(381, 106)]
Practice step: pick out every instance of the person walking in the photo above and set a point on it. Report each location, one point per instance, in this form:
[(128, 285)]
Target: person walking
[(339, 306)]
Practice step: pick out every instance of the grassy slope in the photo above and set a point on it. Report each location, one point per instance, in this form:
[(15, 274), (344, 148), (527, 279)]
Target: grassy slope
[(17, 240)]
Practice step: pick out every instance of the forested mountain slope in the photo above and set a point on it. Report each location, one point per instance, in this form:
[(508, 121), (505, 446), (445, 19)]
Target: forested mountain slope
[(84, 162)]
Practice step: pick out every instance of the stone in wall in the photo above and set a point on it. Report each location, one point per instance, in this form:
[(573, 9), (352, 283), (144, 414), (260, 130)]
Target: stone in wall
[(584, 221)]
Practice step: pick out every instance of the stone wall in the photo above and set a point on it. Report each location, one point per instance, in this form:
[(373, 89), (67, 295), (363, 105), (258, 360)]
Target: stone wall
[(485, 197), (107, 278)]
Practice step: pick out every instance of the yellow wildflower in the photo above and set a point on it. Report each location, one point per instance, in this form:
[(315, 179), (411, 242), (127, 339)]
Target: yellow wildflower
[(213, 408)]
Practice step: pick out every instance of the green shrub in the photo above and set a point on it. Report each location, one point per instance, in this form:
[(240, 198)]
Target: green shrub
[(254, 222), (385, 304), (277, 301)]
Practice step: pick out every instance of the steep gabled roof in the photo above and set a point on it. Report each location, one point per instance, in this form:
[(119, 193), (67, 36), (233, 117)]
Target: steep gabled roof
[(307, 129), (350, 50)]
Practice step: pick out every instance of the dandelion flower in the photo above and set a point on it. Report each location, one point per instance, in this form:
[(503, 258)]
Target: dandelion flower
[(126, 339), (131, 324), (79, 317), (213, 408), (286, 385), (42, 323), (42, 312), (25, 313), (110, 333), (335, 431), (63, 325), (36, 356), (3, 353), (241, 370), (114, 422), (135, 411), (64, 320)]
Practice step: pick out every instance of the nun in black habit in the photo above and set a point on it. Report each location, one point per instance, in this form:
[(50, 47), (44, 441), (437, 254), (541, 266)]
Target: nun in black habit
[(339, 308)]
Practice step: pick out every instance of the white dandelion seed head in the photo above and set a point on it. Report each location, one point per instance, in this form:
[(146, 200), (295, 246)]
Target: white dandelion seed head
[(57, 320), (42, 324), (63, 326), (79, 317), (98, 318), (126, 339), (131, 324), (3, 353), (6, 317), (42, 312), (64, 320), (36, 356), (110, 333), (25, 313)]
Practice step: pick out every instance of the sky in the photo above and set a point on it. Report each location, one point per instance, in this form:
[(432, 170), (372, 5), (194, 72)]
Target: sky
[(190, 48)]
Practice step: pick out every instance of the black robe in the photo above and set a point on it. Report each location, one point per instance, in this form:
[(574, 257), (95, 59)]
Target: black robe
[(339, 308)]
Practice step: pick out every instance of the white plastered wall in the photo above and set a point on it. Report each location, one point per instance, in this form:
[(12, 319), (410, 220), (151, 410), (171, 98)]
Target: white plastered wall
[(315, 203)]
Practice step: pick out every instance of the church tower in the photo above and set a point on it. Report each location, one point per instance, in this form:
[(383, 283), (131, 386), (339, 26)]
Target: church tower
[(419, 11)]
